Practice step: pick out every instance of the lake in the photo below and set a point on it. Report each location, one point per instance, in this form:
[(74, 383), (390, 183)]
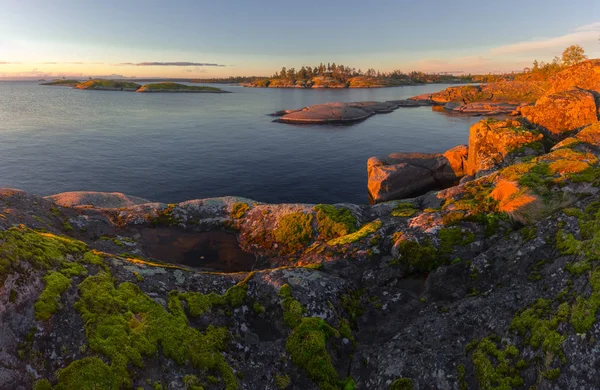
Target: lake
[(175, 147)]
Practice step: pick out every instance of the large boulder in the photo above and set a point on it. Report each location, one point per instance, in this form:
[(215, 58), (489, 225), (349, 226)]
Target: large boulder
[(585, 75), (401, 175), (586, 137), (563, 112), (490, 141)]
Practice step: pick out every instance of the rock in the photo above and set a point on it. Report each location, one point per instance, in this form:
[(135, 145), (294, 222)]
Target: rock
[(490, 141), (401, 175), (589, 136), (585, 75), (481, 108), (562, 112), (501, 91), (330, 113), (96, 199)]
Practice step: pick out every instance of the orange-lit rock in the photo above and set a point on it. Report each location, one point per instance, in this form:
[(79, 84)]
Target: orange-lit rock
[(401, 175), (490, 141), (563, 112), (585, 75)]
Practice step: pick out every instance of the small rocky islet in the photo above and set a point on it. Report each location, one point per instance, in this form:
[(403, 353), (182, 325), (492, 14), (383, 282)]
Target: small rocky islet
[(112, 85), (487, 279)]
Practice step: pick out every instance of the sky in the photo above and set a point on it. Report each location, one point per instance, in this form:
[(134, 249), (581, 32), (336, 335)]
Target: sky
[(220, 38)]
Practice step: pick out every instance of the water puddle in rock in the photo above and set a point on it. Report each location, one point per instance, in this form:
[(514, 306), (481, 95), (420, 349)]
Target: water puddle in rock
[(214, 250)]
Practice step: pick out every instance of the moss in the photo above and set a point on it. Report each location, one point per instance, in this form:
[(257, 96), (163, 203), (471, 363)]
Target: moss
[(12, 297), (422, 257), (538, 326), (124, 325), (307, 347), (551, 374), (88, 373), (294, 231), (455, 236), (584, 311), (404, 210), (334, 222), (258, 308), (402, 384), (528, 233), (71, 269), (494, 367), (462, 377), (239, 210), (67, 226), (285, 291), (453, 217), (364, 231), (198, 303), (292, 312), (352, 304), (42, 250), (42, 384), (282, 381), (164, 217), (49, 301)]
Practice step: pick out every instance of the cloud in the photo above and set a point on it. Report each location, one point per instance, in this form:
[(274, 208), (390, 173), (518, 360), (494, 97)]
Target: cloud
[(8, 63), (584, 34), (181, 63)]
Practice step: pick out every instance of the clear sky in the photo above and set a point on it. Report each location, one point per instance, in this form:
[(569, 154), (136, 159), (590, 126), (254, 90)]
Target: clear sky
[(49, 38)]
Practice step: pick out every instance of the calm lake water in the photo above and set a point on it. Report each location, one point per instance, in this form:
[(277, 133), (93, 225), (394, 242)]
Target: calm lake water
[(175, 147)]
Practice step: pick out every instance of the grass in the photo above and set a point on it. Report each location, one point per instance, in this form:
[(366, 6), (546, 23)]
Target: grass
[(108, 84)]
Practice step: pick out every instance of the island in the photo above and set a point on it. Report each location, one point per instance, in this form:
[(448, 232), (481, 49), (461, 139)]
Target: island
[(108, 85), (118, 85), (62, 83), (175, 87)]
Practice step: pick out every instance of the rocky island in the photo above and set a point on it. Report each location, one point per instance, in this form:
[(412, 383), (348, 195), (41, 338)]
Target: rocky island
[(487, 279), (113, 85)]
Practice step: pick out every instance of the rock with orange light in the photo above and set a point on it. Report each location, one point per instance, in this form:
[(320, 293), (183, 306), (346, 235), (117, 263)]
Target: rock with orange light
[(563, 112), (491, 141), (401, 175), (585, 75)]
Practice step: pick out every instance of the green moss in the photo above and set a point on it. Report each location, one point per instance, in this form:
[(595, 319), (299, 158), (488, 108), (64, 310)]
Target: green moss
[(528, 233), (71, 269), (333, 222), (198, 303), (285, 291), (402, 384), (294, 231), (258, 308), (124, 325), (551, 374), (67, 226), (495, 368), (49, 301), (42, 384), (422, 257), (462, 377), (364, 231), (164, 217), (88, 373), (42, 250), (282, 381), (352, 304), (404, 210), (239, 210), (538, 326), (307, 347), (584, 311), (12, 297), (455, 236)]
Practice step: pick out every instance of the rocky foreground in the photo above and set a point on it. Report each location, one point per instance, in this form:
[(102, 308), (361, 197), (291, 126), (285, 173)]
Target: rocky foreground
[(492, 283)]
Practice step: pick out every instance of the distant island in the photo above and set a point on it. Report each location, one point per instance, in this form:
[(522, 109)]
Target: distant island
[(340, 76), (114, 85)]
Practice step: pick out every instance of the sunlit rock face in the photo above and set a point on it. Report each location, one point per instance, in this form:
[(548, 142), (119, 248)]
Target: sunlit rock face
[(562, 112), (585, 75), (401, 175), (490, 141)]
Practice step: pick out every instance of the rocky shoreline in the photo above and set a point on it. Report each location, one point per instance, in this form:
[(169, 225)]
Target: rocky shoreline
[(489, 281)]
